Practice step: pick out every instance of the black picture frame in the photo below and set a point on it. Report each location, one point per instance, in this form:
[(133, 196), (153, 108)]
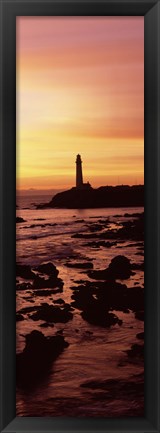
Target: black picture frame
[(150, 9)]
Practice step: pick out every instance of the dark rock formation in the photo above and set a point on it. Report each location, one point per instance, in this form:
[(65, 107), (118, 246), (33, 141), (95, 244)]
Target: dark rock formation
[(24, 286), (98, 244), (59, 301), (119, 268), (130, 230), (19, 317), (42, 283), (24, 271), (20, 220), (105, 196), (94, 311), (100, 317), (106, 296), (51, 313), (26, 310), (133, 229), (47, 292), (35, 362), (39, 282), (136, 351), (48, 268)]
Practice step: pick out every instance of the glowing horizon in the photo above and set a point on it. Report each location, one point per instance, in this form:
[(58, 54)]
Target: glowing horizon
[(80, 89)]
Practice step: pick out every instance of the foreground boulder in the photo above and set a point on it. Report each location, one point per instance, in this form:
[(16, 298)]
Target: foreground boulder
[(100, 317), (108, 295), (119, 268), (53, 314), (48, 268), (35, 362)]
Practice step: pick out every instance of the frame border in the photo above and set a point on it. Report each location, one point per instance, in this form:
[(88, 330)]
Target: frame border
[(150, 9)]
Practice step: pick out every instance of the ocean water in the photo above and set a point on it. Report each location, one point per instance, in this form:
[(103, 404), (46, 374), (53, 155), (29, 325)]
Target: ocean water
[(95, 356)]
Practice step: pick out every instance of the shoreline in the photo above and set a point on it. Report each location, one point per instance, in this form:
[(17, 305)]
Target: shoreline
[(83, 291)]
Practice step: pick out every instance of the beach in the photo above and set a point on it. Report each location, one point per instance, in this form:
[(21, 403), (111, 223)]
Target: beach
[(80, 279)]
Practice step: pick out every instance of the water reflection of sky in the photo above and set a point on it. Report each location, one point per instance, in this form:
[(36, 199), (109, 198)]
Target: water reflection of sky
[(94, 353)]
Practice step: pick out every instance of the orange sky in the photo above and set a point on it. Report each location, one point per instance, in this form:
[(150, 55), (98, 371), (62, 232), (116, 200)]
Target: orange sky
[(80, 89)]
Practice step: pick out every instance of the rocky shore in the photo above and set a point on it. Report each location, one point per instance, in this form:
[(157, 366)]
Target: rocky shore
[(98, 299), (102, 197)]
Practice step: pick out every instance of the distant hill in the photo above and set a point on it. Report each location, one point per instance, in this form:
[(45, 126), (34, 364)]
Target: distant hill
[(104, 196)]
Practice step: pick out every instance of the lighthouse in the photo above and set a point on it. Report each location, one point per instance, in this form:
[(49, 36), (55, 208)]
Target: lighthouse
[(79, 176)]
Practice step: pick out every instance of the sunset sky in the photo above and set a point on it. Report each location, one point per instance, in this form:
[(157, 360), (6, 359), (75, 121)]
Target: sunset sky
[(80, 89)]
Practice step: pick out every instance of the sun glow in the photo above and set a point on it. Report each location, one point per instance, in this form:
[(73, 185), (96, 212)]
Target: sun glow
[(80, 89)]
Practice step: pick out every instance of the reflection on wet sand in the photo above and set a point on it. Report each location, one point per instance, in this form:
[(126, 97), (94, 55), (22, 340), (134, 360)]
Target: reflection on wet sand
[(80, 313)]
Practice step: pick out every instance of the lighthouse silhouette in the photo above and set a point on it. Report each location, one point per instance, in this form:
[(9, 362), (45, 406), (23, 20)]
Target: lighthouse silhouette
[(79, 175)]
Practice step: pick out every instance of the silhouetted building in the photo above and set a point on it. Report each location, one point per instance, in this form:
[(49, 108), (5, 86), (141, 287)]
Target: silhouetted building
[(79, 175)]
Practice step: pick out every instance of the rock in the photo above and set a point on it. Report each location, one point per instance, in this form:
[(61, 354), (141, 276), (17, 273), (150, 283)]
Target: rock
[(59, 301), (47, 292), (104, 196), (50, 313), (95, 227), (84, 235), (35, 362), (24, 286), (118, 297), (39, 219), (19, 317), (119, 268), (101, 274), (78, 221), (24, 271), (20, 220), (48, 268), (83, 299), (92, 244), (136, 351), (109, 294), (98, 244), (42, 283), (46, 325), (78, 282), (26, 310), (100, 317), (94, 311), (133, 230)]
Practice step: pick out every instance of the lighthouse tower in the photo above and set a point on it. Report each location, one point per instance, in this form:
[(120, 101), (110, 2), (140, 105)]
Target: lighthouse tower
[(79, 176)]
